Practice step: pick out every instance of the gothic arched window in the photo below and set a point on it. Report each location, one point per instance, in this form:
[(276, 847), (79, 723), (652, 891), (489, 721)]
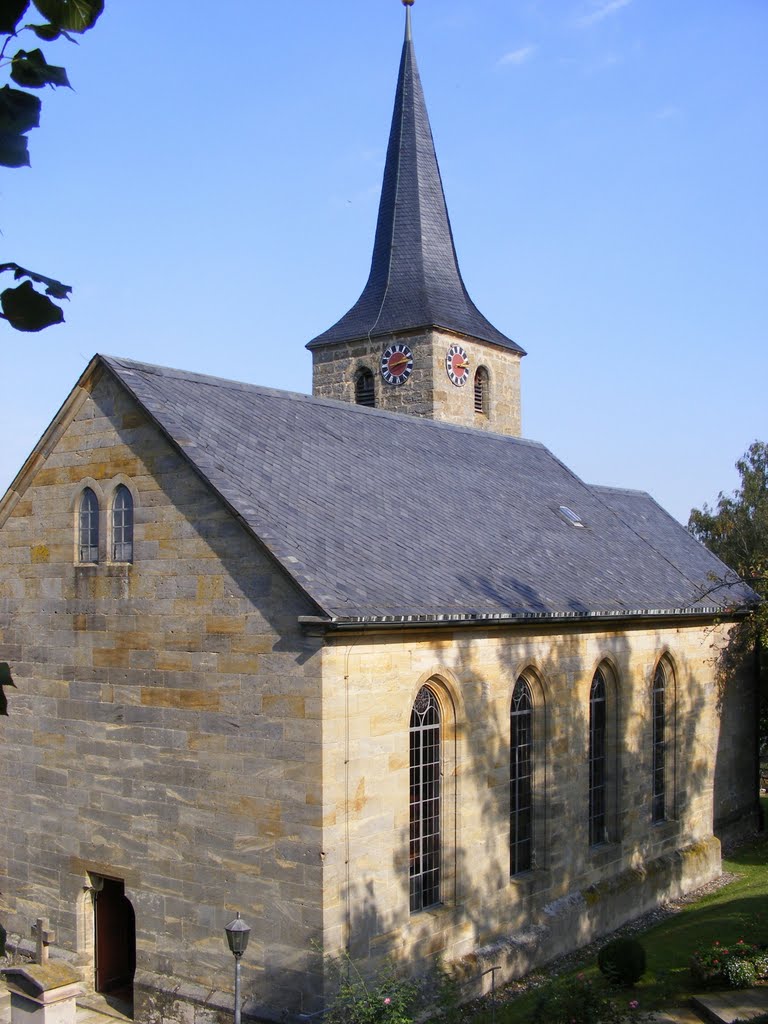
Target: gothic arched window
[(365, 393), (122, 525), (659, 745), (425, 801), (88, 527), (597, 760), (521, 779)]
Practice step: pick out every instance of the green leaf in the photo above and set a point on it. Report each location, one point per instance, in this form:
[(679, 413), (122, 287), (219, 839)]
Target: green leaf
[(14, 151), (48, 33), (5, 674), (19, 111), (31, 70), (73, 15), (28, 310), (10, 14)]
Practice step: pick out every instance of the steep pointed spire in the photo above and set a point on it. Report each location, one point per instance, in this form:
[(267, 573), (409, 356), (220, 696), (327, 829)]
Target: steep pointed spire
[(415, 279)]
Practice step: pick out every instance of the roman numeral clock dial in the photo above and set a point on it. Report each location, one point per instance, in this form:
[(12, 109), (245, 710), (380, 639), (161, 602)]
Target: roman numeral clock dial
[(457, 365), (397, 364)]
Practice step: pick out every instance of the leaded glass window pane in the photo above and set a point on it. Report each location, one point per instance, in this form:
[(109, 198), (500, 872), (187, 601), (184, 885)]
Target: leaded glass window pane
[(425, 801), (659, 745), (122, 526), (521, 780), (597, 760), (88, 527)]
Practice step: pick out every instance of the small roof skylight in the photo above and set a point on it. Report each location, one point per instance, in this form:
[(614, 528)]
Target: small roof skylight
[(572, 517)]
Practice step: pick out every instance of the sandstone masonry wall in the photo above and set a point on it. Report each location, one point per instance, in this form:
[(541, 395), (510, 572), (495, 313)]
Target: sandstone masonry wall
[(166, 726), (429, 391), (576, 891)]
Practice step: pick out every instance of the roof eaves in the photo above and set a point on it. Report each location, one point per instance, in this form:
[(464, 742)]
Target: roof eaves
[(469, 619)]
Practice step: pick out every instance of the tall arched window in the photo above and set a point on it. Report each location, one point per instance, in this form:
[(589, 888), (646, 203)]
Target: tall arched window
[(598, 832), (659, 711), (122, 525), (425, 801), (88, 527), (365, 393), (521, 779), (481, 391)]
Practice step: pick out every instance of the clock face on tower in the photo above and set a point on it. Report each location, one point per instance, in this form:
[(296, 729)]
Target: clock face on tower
[(396, 364), (457, 365)]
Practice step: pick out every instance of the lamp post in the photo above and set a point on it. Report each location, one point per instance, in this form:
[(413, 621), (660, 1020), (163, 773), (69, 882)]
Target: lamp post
[(237, 937)]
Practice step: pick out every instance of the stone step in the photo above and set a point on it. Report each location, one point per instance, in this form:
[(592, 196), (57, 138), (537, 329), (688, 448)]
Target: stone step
[(726, 1007), (678, 1016)]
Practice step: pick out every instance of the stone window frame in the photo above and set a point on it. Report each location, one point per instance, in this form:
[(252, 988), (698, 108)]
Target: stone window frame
[(663, 748), (540, 770), (610, 832), (121, 525), (481, 388), (365, 373), (448, 698), (85, 485), (105, 492)]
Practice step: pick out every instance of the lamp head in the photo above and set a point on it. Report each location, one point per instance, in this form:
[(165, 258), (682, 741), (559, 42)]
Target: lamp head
[(237, 932)]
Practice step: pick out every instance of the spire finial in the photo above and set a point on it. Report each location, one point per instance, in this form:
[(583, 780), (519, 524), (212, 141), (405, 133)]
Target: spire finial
[(408, 4)]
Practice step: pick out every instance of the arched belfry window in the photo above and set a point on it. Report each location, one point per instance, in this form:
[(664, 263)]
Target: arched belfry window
[(365, 393), (88, 527), (122, 525), (521, 779), (481, 391), (425, 801), (598, 719), (659, 712)]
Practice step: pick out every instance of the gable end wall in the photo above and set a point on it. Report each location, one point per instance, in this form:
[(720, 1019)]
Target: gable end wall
[(166, 726)]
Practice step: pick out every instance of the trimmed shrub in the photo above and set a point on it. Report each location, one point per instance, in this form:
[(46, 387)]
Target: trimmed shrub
[(622, 962)]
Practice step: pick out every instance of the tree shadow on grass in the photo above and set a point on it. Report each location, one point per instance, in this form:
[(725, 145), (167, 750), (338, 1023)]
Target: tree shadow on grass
[(670, 945)]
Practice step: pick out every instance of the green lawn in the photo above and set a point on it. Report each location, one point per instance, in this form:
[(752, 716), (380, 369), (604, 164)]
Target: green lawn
[(738, 910)]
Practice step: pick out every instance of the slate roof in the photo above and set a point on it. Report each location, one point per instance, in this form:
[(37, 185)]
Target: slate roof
[(415, 279), (380, 515)]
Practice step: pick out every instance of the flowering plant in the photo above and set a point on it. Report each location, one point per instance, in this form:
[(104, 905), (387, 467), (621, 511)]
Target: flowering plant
[(736, 965), (578, 1000), (386, 998)]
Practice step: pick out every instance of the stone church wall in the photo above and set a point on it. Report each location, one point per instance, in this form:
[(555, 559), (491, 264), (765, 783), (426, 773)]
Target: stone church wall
[(428, 392), (576, 891), (174, 729), (166, 726)]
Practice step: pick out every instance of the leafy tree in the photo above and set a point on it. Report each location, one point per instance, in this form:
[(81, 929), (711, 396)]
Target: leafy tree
[(736, 530), (25, 307)]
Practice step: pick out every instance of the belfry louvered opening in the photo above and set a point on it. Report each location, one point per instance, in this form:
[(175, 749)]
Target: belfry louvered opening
[(365, 393)]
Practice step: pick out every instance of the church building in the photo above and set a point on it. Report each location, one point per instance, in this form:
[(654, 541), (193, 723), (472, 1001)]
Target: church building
[(366, 666)]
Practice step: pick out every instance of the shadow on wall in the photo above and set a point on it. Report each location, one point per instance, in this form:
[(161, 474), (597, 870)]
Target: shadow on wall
[(742, 689), (575, 891)]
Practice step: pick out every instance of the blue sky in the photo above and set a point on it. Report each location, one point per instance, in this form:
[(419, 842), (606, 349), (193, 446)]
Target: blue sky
[(210, 189)]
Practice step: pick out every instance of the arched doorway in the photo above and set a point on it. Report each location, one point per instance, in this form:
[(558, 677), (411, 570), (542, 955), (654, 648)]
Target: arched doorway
[(115, 927)]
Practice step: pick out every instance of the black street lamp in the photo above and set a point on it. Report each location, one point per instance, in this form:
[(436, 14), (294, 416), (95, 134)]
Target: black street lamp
[(237, 937)]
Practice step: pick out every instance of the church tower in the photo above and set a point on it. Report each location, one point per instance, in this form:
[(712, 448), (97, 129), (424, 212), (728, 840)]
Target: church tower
[(414, 342)]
